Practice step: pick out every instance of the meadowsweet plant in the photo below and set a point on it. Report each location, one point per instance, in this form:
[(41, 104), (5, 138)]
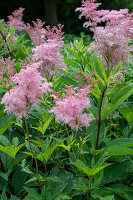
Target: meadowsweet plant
[(112, 40), (16, 19), (66, 125), (70, 109), (48, 53), (36, 33), (28, 91)]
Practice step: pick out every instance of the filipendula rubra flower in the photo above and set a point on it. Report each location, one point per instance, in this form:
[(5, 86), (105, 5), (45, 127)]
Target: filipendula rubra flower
[(70, 108), (111, 41), (30, 86), (36, 33), (48, 53), (16, 19)]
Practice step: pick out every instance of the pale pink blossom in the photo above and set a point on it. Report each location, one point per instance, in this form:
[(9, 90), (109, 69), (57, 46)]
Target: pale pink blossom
[(29, 89), (37, 32), (16, 19), (48, 52), (111, 41), (49, 56), (111, 46), (70, 108)]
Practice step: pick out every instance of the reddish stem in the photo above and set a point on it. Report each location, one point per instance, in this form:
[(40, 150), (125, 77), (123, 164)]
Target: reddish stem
[(99, 119)]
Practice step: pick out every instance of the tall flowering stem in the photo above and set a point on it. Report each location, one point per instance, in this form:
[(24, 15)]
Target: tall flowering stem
[(99, 118)]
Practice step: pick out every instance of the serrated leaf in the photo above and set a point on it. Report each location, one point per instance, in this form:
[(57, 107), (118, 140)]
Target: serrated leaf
[(88, 171), (11, 150), (73, 52), (117, 99), (6, 122), (118, 151)]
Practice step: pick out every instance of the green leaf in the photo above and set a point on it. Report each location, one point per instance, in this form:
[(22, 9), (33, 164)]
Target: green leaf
[(118, 151), (88, 171), (117, 99), (127, 114), (110, 197), (117, 69), (122, 190), (14, 198), (32, 194), (3, 196), (102, 67), (45, 126), (69, 81), (115, 171), (11, 150), (48, 152), (68, 148), (71, 62), (73, 52), (121, 142), (18, 180), (6, 122)]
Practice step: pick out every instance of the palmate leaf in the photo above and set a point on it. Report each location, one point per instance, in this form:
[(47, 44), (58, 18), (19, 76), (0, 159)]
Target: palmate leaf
[(44, 156), (11, 150), (48, 152), (67, 147), (45, 126), (88, 171)]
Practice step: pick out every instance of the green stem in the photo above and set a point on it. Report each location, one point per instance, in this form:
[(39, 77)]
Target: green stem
[(27, 134), (46, 179), (82, 140)]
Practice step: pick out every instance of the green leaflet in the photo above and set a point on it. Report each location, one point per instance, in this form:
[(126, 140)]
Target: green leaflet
[(116, 100), (45, 126), (118, 151), (127, 114), (6, 122), (88, 171), (11, 150)]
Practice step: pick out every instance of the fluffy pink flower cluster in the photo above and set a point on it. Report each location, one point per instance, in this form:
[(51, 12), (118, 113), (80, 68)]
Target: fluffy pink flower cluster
[(48, 53), (110, 46), (36, 33), (112, 41), (89, 11), (51, 59), (28, 91), (70, 109), (15, 20)]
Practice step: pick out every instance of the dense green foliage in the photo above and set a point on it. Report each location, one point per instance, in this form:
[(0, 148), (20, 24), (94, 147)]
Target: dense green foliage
[(44, 159)]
